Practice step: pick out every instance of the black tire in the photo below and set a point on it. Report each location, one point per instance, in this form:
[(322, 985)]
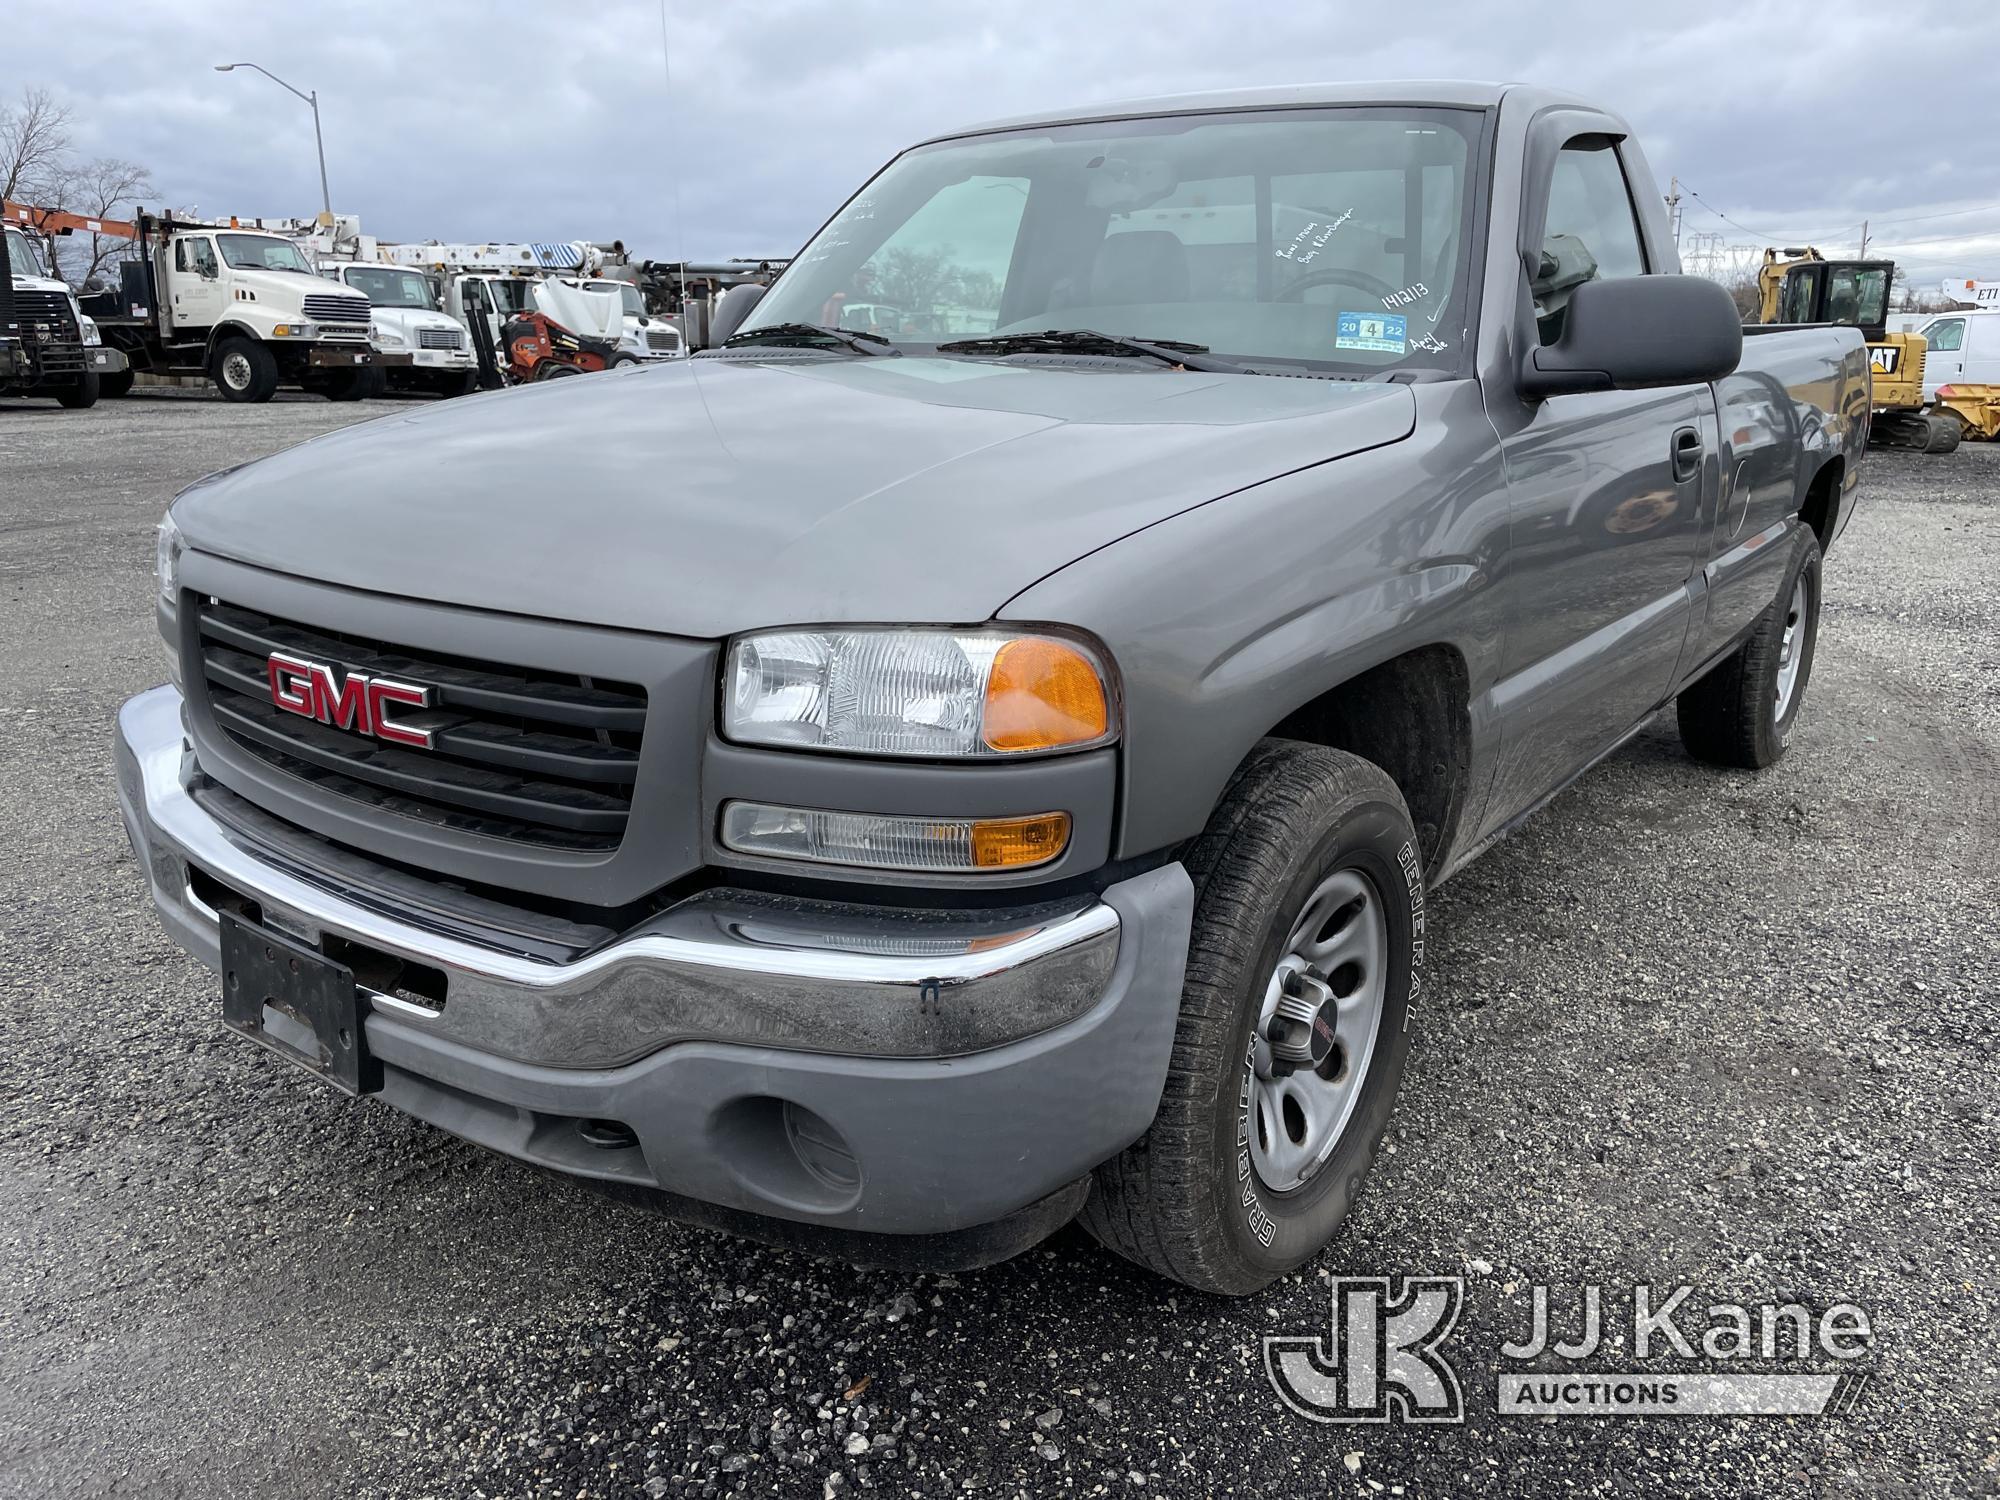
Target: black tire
[(114, 385), (619, 361), (1945, 431), (358, 384), (253, 381), (1186, 1200), (83, 394), (1730, 716), (555, 369)]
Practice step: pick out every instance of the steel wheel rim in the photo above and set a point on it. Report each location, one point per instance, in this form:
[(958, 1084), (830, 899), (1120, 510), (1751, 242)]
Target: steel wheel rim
[(236, 371), (1334, 968), (1791, 647)]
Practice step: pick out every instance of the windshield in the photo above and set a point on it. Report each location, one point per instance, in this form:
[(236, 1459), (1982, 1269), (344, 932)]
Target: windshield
[(391, 288), (24, 256), (510, 294), (257, 252), (1325, 237)]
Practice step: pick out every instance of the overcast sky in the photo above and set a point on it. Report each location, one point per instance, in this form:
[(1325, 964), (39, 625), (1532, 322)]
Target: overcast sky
[(557, 121)]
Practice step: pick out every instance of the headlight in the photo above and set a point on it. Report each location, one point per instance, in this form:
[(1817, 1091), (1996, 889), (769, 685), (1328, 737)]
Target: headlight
[(91, 337), (388, 338), (294, 331), (990, 692), (167, 546)]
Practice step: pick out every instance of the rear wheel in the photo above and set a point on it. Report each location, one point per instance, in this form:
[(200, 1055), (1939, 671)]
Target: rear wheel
[(1742, 712), (1292, 1032), (82, 394), (245, 371)]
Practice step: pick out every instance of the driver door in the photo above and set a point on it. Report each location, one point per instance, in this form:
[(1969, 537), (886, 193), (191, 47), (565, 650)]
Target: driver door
[(1606, 493), (198, 296)]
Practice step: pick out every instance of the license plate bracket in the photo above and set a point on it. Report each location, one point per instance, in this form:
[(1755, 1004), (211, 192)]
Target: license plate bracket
[(316, 1012)]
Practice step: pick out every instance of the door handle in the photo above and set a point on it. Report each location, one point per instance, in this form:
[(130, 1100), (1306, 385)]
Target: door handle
[(1687, 454)]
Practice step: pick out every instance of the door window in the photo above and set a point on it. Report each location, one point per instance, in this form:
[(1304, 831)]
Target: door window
[(196, 255), (1946, 337), (1592, 232)]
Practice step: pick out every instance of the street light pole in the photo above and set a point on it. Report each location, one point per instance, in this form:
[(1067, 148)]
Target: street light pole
[(325, 198)]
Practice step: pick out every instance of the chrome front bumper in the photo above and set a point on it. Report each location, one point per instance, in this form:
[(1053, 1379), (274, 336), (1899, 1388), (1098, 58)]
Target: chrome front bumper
[(964, 1067)]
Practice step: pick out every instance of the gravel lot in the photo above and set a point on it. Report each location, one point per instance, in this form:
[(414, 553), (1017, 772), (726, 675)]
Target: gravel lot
[(1689, 1026)]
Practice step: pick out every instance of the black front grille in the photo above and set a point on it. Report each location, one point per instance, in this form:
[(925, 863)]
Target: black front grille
[(533, 757), (49, 334)]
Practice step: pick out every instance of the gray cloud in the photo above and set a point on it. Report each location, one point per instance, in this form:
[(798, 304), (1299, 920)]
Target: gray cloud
[(1797, 121)]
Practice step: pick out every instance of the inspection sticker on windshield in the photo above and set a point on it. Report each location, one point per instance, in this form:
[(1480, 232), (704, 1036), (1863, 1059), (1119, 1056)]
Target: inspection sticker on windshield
[(1386, 333)]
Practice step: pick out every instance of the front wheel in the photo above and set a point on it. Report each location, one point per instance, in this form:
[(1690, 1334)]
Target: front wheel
[(81, 395), (245, 371), (114, 385), (1741, 713), (1308, 930)]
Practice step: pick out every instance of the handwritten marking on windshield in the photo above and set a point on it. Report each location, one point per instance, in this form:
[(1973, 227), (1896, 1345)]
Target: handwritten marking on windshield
[(1409, 296), (1430, 343), (1309, 241)]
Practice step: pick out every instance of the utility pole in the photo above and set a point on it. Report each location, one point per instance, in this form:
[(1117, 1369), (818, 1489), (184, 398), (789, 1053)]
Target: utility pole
[(1674, 208), (1864, 241)]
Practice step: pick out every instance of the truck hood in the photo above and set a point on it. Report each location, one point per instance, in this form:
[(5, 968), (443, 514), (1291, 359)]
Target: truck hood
[(289, 289), (39, 284), (407, 320), (706, 497)]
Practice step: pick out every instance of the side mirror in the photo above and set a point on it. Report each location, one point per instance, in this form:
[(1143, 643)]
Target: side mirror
[(731, 308), (1637, 332)]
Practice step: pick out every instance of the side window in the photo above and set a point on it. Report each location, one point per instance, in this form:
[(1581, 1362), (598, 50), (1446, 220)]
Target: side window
[(194, 255), (1947, 337), (940, 274), (1592, 232)]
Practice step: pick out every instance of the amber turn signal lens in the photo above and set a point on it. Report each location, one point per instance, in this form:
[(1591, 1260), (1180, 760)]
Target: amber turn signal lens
[(1042, 695), (1016, 843)]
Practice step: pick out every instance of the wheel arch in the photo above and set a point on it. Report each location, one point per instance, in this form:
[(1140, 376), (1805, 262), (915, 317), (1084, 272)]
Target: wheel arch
[(221, 333), (1410, 715), (1819, 507)]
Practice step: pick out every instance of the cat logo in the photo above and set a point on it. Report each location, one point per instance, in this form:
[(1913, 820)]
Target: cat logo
[(1884, 359)]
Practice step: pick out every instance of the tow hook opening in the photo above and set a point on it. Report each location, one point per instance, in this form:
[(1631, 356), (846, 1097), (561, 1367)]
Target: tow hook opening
[(607, 1135)]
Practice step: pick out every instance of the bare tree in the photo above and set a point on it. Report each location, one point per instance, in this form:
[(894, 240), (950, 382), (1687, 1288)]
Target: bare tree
[(103, 188), (34, 143)]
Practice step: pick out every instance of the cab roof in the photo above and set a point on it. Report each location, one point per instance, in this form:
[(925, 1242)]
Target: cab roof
[(1446, 94)]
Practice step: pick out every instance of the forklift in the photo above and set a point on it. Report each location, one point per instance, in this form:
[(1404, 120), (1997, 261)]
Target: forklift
[(1802, 286)]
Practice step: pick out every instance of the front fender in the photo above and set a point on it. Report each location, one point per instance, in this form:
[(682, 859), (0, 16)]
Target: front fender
[(1225, 619)]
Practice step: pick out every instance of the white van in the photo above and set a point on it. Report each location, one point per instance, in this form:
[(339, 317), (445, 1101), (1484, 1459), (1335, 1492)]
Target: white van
[(1961, 348)]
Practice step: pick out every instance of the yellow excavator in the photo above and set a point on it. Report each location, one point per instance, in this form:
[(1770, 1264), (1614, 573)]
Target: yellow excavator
[(1803, 286)]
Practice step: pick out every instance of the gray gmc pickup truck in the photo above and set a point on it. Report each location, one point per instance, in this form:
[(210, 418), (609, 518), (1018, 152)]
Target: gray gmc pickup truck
[(1126, 561)]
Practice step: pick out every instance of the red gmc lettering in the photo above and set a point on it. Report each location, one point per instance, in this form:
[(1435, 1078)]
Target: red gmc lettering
[(359, 703)]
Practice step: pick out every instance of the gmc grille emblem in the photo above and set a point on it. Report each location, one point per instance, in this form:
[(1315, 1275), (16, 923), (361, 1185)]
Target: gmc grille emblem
[(360, 703)]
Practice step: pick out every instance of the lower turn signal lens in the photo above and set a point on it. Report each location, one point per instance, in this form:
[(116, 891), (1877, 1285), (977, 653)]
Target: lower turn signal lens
[(944, 846)]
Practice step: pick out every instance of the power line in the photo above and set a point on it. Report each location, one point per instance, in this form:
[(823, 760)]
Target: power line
[(1770, 239)]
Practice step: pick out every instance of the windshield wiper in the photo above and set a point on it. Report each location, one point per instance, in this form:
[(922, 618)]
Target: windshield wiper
[(807, 335), (1088, 341)]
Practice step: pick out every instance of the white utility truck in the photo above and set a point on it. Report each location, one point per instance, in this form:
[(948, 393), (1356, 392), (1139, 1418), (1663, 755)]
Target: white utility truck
[(419, 346), (240, 305), (643, 335)]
